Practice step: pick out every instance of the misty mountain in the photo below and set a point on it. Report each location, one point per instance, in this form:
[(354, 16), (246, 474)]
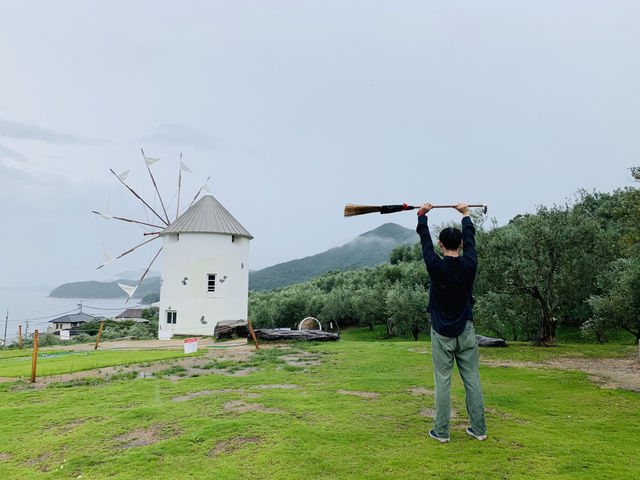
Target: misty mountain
[(93, 289), (367, 250)]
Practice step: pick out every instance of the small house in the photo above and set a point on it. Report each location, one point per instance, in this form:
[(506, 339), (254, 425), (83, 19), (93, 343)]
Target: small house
[(134, 314), (71, 322)]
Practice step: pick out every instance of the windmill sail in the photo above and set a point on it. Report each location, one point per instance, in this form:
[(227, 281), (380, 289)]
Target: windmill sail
[(128, 290), (123, 176), (106, 213), (150, 160), (107, 258), (184, 167)]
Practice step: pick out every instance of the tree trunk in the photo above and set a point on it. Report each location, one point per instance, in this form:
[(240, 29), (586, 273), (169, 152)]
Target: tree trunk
[(548, 325), (388, 324), (415, 333)]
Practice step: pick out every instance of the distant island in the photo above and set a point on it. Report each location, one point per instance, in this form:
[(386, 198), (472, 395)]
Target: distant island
[(93, 289), (367, 250)]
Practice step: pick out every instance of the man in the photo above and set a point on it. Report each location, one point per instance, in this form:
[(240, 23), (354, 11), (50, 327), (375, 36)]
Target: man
[(452, 331)]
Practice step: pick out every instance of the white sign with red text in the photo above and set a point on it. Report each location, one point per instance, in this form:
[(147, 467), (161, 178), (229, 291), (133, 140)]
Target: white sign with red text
[(190, 345)]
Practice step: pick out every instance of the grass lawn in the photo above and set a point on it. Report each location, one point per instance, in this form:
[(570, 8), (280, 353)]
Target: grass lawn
[(58, 362), (361, 413)]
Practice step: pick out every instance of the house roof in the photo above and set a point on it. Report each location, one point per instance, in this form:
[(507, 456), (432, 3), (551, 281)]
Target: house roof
[(131, 313), (74, 318), (207, 215)]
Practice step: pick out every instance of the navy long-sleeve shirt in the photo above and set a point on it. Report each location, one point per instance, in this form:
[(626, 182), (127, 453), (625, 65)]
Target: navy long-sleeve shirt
[(451, 280)]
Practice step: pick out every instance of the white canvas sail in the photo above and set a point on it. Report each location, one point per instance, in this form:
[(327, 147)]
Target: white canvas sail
[(107, 258), (106, 213), (123, 176), (127, 289), (184, 167), (150, 160)]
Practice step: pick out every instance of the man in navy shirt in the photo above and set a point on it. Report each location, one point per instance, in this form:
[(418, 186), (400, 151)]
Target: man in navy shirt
[(452, 331)]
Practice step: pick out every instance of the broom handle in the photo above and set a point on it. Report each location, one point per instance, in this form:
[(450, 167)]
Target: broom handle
[(400, 208), (454, 206)]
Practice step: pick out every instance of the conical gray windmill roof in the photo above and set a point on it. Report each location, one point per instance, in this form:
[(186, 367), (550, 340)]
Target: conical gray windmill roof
[(207, 215)]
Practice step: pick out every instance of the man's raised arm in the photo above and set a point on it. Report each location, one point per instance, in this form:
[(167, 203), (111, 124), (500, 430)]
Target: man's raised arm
[(428, 252), (468, 235)]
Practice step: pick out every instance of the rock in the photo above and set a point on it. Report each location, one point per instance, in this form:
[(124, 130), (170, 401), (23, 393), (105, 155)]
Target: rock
[(228, 328), (309, 335), (490, 342)]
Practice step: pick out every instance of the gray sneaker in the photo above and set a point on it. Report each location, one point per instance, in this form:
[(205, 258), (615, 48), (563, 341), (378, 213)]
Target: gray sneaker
[(432, 434), (479, 437)]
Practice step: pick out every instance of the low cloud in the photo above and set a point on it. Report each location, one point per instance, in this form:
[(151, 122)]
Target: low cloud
[(177, 134), (10, 129), (11, 154)]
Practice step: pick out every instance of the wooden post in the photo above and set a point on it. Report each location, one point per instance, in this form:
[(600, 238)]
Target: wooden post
[(99, 334), (19, 337), (4, 345), (34, 360), (253, 334)]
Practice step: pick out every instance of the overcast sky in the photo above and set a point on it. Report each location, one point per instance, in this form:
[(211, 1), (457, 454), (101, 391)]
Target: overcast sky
[(295, 108)]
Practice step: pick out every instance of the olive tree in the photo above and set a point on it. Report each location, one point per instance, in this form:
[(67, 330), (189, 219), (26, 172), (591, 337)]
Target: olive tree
[(406, 309), (552, 258)]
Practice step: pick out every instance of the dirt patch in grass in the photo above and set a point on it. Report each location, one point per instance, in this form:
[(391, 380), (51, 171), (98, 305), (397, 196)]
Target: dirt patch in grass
[(5, 456), (203, 393), (41, 462), (431, 412), (70, 425), (280, 385), (417, 391), (607, 372), (243, 372), (141, 437), (367, 395), (229, 446), (496, 412), (302, 359), (240, 406)]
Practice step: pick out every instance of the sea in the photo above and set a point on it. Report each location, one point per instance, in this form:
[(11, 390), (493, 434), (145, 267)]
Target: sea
[(33, 308)]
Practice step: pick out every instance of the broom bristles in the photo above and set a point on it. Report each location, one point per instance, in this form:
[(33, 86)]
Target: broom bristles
[(353, 210)]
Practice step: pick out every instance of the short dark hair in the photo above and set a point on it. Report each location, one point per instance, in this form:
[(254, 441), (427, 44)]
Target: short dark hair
[(451, 238)]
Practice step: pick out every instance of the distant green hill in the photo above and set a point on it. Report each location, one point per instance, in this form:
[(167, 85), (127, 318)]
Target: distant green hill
[(92, 289), (367, 250)]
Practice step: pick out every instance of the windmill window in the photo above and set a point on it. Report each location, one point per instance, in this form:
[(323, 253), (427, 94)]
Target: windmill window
[(211, 282), (233, 238), (171, 317)]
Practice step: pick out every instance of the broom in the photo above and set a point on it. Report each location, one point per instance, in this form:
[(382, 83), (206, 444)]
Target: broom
[(353, 210)]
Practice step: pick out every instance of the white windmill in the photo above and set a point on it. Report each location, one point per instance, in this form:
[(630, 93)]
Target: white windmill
[(205, 265)]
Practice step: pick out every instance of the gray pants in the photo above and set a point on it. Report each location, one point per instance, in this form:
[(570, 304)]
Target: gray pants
[(464, 349)]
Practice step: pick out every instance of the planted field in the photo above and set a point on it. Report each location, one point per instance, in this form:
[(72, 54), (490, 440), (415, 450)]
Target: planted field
[(346, 410)]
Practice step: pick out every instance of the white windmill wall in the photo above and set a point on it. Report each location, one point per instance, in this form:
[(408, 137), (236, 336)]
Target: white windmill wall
[(187, 260)]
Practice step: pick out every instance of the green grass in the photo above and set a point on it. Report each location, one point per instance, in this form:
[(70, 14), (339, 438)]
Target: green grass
[(26, 353), (70, 362), (542, 423)]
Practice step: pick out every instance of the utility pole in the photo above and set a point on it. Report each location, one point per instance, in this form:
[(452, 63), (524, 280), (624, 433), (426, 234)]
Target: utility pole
[(6, 320), (80, 305), (26, 330)]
